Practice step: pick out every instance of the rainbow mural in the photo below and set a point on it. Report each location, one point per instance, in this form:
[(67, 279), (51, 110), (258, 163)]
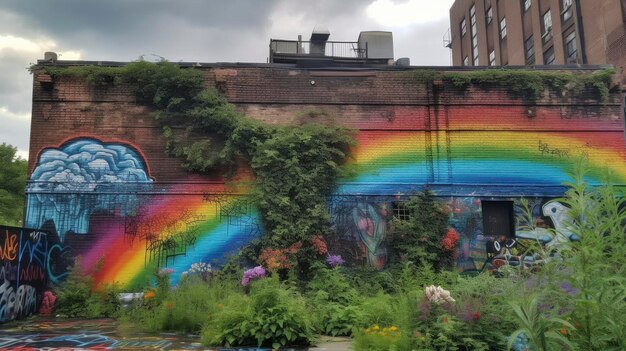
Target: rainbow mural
[(105, 207), (399, 162)]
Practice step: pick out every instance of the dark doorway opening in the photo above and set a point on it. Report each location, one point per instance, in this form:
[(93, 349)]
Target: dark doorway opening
[(498, 219)]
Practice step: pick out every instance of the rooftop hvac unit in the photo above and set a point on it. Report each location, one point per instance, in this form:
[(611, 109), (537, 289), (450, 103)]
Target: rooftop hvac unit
[(376, 44)]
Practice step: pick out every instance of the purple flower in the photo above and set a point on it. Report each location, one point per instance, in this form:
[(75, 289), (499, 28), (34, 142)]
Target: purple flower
[(259, 271), (568, 289), (334, 260), (254, 273)]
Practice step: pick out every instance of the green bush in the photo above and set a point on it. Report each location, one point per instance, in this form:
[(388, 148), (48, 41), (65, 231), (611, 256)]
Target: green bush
[(418, 239), (271, 315), (187, 309), (331, 286), (376, 338), (77, 296), (369, 281), (339, 320), (380, 310)]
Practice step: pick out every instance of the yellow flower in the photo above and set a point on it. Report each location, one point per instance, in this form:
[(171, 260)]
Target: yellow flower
[(393, 328), (375, 327)]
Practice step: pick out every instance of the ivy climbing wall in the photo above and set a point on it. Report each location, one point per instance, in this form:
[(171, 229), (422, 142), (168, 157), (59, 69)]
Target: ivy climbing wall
[(101, 182)]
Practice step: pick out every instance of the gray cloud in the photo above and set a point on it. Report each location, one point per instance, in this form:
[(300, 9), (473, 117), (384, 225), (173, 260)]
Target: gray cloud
[(15, 130), (15, 80), (191, 30), (118, 17)]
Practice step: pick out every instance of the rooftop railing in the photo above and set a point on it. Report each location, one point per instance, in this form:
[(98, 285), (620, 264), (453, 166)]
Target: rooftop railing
[(341, 49)]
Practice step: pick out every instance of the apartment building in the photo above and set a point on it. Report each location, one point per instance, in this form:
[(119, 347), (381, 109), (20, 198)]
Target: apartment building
[(538, 32)]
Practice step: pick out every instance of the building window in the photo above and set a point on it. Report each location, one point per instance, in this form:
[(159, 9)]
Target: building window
[(466, 61), (529, 48), (488, 15), (547, 26), (503, 28), (400, 211), (548, 56), (570, 48), (492, 58), (567, 10), (463, 27), (526, 4), (473, 19), (474, 35)]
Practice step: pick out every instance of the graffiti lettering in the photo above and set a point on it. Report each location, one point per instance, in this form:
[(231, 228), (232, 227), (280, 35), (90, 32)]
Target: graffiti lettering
[(93, 342), (26, 303), (26, 259), (7, 299), (8, 249), (545, 149), (31, 273), (36, 235), (53, 274)]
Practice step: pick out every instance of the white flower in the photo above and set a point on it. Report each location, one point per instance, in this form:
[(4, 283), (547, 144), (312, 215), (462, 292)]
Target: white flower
[(438, 295)]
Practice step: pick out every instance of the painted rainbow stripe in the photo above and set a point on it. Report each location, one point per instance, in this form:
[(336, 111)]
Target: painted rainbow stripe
[(386, 163), (127, 263), (389, 163)]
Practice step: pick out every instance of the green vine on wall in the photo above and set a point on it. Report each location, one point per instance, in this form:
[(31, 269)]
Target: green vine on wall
[(295, 168), (527, 84)]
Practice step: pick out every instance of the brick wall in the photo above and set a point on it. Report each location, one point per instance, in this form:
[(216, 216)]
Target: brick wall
[(104, 188), (363, 100)]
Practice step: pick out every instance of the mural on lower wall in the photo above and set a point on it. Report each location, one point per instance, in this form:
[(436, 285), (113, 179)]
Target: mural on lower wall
[(29, 259), (106, 209), (99, 199), (360, 223)]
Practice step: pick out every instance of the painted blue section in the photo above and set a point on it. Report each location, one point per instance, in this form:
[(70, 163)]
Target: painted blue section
[(80, 178), (214, 246), (470, 178)]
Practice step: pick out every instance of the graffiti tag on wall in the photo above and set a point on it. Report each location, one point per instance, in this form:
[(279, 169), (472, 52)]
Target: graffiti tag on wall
[(28, 258)]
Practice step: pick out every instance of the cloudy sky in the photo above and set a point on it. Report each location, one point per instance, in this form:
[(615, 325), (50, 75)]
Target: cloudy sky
[(191, 30)]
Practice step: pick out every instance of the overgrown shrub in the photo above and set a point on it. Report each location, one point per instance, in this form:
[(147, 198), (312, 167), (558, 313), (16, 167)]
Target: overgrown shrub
[(418, 239), (378, 338), (78, 297), (271, 315), (330, 285), (333, 302), (369, 281)]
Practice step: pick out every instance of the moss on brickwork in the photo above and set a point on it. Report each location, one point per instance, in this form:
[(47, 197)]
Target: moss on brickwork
[(529, 85)]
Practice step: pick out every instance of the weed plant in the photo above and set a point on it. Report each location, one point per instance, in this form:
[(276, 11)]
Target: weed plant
[(271, 316), (78, 297), (580, 298)]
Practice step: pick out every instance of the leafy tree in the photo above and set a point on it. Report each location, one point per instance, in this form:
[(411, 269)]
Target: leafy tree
[(418, 238), (12, 183)]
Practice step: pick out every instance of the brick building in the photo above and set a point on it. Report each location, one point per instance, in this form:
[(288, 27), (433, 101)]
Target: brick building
[(101, 183), (538, 32)]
